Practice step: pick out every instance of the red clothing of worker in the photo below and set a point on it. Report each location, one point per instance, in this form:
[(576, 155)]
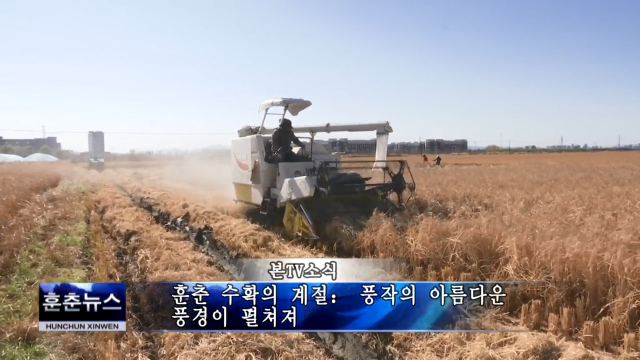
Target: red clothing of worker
[(424, 158)]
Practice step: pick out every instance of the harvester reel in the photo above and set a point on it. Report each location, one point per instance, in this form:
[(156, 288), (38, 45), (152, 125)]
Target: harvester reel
[(399, 184)]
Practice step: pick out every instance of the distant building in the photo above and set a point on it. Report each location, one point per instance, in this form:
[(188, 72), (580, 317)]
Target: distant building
[(51, 142), (352, 146), (416, 147), (440, 145), (564, 147)]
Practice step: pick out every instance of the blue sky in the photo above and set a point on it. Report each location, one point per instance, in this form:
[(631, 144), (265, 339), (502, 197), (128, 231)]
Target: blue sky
[(532, 71)]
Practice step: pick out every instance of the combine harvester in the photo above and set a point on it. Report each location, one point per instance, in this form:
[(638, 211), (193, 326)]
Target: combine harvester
[(96, 150), (306, 196)]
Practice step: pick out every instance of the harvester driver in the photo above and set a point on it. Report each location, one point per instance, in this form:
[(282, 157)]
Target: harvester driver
[(281, 141)]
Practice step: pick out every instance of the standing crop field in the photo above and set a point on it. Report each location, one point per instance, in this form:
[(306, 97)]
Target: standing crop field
[(571, 220)]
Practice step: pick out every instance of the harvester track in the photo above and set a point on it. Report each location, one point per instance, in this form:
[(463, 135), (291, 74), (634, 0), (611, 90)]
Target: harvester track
[(343, 345)]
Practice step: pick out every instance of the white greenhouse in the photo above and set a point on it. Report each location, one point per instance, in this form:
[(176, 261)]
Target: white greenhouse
[(38, 157), (10, 158)]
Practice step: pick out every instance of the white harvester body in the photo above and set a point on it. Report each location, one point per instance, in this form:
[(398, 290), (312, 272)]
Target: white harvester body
[(256, 181)]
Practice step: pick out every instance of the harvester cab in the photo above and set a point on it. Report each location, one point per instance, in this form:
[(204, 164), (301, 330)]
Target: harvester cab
[(308, 194)]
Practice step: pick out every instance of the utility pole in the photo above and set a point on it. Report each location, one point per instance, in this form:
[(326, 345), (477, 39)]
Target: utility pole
[(618, 140), (509, 145), (561, 140), (501, 140)]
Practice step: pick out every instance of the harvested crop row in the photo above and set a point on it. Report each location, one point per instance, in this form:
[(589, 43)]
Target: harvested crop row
[(242, 238), (229, 231), (163, 256), (350, 346), (51, 246), (166, 200)]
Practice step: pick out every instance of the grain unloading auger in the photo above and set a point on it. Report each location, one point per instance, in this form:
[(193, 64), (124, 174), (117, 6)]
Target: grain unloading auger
[(305, 196)]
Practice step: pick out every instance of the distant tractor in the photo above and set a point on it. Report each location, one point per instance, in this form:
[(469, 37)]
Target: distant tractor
[(96, 150)]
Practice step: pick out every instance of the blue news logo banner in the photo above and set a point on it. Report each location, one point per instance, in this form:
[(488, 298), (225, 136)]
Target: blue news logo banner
[(307, 307), (82, 306)]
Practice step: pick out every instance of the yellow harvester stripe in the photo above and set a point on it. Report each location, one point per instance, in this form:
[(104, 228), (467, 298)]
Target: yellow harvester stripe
[(243, 192)]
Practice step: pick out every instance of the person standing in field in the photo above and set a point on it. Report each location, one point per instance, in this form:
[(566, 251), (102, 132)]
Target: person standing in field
[(425, 159), (437, 160)]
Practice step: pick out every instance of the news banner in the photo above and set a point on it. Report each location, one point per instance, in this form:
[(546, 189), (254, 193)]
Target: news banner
[(282, 295)]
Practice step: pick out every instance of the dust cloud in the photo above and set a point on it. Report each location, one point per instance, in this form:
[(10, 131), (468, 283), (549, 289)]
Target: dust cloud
[(205, 179)]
